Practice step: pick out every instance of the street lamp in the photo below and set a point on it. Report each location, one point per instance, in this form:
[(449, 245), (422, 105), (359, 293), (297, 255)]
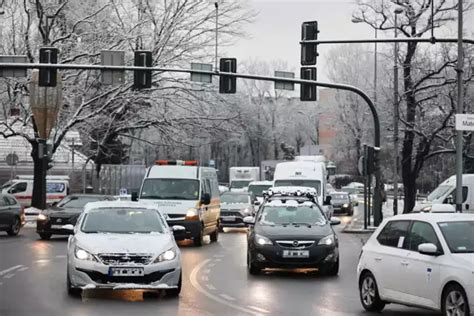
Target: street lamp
[(359, 20), (395, 116)]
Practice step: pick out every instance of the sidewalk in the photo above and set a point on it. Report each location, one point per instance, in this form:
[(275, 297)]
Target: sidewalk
[(356, 225)]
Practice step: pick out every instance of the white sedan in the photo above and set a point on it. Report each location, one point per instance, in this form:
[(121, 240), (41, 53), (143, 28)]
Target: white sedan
[(424, 260), (123, 245)]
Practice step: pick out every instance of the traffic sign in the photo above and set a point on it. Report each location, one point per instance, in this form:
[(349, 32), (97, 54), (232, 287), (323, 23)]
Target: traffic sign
[(284, 85), (201, 77), (465, 122), (17, 73), (112, 58)]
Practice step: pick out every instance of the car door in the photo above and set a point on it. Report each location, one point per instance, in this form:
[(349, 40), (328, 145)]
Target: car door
[(389, 257), (4, 213), (423, 271), (206, 215)]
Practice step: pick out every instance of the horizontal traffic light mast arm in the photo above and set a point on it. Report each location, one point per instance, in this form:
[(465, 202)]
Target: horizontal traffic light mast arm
[(389, 40), (213, 73)]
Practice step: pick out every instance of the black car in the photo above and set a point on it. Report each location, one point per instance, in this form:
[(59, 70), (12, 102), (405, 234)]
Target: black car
[(342, 203), (292, 231), (12, 215), (66, 211)]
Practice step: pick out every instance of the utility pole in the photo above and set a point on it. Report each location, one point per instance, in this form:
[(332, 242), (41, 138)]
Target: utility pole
[(460, 109)]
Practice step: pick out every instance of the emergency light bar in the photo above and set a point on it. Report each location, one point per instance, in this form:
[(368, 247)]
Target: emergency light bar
[(176, 162)]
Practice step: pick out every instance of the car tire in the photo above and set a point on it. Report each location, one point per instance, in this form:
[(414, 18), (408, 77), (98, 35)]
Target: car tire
[(252, 268), (369, 293), (72, 291), (454, 301), (221, 228), (331, 269), (15, 227), (45, 236), (176, 292), (215, 235), (198, 241)]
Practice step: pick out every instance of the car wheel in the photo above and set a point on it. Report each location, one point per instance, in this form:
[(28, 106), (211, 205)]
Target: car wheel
[(15, 227), (72, 291), (45, 236), (331, 269), (215, 235), (369, 293), (252, 268), (198, 241), (221, 229), (455, 301), (176, 292)]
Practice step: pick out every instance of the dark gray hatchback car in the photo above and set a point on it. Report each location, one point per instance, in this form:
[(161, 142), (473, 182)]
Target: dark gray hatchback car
[(12, 216)]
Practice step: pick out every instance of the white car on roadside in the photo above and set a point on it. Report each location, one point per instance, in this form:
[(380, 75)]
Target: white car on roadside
[(424, 260), (123, 245)]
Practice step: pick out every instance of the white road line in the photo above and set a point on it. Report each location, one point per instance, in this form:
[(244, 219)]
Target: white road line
[(227, 297), (9, 276), (258, 309), (205, 278), (23, 269), (197, 285), (10, 269), (210, 287)]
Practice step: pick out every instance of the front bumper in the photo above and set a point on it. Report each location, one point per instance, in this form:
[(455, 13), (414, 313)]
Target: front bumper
[(44, 227), (94, 275), (232, 219), (271, 256), (341, 209)]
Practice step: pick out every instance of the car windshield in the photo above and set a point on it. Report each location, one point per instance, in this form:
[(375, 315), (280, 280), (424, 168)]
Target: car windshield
[(341, 197), (170, 189), (239, 184), (122, 221), (299, 183), (234, 198), (306, 213), (257, 190), (439, 192), (74, 202), (459, 236)]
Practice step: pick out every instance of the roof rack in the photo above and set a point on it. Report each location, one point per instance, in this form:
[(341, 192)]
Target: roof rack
[(307, 192)]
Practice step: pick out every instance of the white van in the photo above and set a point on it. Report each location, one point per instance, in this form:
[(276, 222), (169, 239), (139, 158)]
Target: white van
[(57, 187), (304, 174), (240, 177), (445, 193), (187, 195)]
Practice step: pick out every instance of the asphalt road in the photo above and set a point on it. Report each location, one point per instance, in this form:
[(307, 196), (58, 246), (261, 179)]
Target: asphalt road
[(33, 282)]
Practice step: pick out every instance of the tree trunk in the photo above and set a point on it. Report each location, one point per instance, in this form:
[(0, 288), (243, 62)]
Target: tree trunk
[(409, 188)]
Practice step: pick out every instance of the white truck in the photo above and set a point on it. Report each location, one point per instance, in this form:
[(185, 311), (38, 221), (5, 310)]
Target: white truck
[(240, 177), (445, 193)]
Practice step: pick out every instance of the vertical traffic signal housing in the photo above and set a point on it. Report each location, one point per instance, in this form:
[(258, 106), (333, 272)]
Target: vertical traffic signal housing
[(228, 84), (142, 78), (309, 52), (48, 76), (308, 91)]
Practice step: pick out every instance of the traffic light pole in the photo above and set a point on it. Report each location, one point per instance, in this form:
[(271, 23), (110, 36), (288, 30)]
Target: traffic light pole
[(388, 40), (377, 191)]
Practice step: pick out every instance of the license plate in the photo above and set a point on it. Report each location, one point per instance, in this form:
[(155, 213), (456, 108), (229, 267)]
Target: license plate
[(126, 271), (57, 226), (228, 218), (295, 253)]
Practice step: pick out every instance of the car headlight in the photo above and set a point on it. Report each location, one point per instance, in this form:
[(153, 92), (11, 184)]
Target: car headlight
[(327, 241), (245, 210), (262, 240), (82, 254), (42, 217), (345, 205), (168, 255)]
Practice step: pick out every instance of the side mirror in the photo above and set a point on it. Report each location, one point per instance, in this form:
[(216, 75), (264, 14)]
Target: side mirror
[(206, 199), (134, 196), (249, 220), (327, 201), (334, 221), (178, 228), (428, 249), (256, 202), (68, 227)]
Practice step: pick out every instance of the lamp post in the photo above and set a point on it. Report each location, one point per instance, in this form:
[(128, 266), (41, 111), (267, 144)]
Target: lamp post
[(395, 116)]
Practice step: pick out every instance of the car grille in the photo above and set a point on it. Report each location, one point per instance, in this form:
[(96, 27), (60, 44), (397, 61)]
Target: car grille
[(125, 259), (63, 220), (229, 213), (98, 277), (295, 244)]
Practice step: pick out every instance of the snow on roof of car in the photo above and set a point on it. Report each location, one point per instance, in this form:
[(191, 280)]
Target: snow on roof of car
[(434, 217), (288, 203), (292, 190), (118, 204)]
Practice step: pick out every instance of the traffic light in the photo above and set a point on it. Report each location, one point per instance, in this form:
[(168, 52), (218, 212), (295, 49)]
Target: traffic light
[(48, 77), (142, 78), (228, 84), (307, 91), (309, 52), (370, 160)]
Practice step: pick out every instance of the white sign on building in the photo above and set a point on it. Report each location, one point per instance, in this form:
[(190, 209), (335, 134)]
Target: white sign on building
[(465, 122)]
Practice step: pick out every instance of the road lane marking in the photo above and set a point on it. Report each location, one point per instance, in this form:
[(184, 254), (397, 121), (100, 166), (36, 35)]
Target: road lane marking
[(6, 271), (9, 276), (210, 287), (23, 269), (258, 309), (197, 285), (227, 297)]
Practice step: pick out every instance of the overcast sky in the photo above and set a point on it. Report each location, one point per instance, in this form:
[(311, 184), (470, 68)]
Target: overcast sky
[(275, 34)]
